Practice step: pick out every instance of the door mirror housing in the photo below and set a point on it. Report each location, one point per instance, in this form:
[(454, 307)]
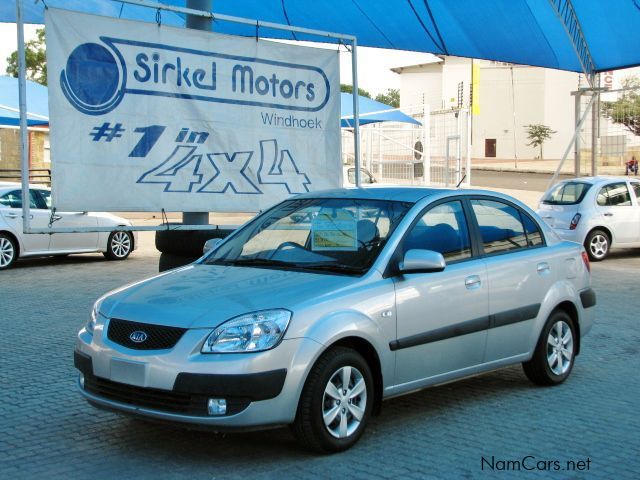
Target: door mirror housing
[(210, 245), (422, 261)]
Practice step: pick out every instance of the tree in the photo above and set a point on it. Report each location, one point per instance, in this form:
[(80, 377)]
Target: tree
[(349, 89), (36, 59), (538, 134), (626, 110), (390, 97)]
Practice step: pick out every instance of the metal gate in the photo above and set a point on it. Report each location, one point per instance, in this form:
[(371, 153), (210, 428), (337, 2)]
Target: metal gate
[(400, 154)]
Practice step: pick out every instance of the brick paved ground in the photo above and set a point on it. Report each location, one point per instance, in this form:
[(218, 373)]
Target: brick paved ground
[(47, 430)]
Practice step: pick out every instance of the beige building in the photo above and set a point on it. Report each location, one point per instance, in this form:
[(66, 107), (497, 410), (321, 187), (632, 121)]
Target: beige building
[(507, 98)]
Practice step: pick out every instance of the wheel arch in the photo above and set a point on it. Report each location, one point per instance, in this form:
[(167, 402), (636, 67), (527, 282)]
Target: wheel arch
[(15, 239), (369, 353), (604, 229), (570, 309)]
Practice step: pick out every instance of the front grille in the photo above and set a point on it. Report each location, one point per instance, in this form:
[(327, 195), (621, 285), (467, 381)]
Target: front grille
[(158, 337), (156, 399)]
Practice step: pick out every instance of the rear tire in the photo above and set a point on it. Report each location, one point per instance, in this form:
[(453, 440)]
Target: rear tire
[(336, 402), (597, 245), (555, 352), (119, 245), (8, 251)]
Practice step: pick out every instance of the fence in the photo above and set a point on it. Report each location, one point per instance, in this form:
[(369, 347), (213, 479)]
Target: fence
[(610, 136), (403, 154)]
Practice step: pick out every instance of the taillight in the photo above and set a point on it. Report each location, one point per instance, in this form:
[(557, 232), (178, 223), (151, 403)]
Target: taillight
[(585, 259), (574, 221)]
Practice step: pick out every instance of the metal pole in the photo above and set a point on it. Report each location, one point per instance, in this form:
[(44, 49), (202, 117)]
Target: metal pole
[(577, 156), (576, 135), (426, 144), (595, 126), (198, 23), (468, 169), (356, 109), (22, 99)]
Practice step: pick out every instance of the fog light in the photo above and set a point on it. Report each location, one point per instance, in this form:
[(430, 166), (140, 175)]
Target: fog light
[(217, 406), (81, 380)]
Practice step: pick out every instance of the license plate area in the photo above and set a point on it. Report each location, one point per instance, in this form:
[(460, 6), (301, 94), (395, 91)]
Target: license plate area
[(129, 372)]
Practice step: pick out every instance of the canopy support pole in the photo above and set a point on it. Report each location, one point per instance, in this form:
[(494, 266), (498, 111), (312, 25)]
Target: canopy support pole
[(22, 100), (196, 22), (356, 110)]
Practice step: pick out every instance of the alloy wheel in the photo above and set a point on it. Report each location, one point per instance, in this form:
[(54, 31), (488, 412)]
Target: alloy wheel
[(599, 245), (560, 348), (7, 252), (120, 244), (344, 402)]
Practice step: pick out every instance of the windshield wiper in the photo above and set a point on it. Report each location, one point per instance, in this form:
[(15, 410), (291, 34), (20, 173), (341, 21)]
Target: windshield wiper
[(259, 262), (330, 267)]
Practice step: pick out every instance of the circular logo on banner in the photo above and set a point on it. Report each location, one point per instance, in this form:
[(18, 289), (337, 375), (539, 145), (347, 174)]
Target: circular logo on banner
[(92, 80)]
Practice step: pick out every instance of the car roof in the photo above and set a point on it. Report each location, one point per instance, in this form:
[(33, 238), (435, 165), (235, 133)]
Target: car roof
[(597, 179), (400, 194), (8, 186)]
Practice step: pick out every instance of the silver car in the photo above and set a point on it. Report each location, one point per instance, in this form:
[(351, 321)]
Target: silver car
[(328, 303), (597, 212), (14, 243)]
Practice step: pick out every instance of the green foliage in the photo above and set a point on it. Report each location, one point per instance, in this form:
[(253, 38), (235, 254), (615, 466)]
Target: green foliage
[(36, 59), (349, 89), (390, 97), (538, 134), (626, 110)]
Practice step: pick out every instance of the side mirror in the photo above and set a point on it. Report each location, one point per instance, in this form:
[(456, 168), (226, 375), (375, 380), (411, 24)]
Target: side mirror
[(210, 245), (422, 261)]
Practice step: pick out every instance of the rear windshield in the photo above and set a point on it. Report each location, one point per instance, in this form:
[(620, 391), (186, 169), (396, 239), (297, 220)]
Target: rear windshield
[(568, 193)]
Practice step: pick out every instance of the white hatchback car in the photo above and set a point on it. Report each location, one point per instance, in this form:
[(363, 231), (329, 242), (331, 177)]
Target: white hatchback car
[(598, 212), (115, 245)]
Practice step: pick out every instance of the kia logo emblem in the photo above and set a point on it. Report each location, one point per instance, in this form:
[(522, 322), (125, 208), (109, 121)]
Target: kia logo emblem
[(138, 336)]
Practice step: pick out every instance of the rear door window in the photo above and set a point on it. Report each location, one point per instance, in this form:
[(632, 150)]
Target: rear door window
[(500, 225), (614, 195)]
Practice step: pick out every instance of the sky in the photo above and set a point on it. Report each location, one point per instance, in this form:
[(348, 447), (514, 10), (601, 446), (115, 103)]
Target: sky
[(374, 64)]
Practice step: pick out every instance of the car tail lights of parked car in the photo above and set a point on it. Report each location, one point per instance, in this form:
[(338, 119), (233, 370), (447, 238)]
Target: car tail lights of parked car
[(574, 221)]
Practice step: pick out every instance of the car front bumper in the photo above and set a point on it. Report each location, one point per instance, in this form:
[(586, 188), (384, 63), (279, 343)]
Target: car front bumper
[(260, 389)]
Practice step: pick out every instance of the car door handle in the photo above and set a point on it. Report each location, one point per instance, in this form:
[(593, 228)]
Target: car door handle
[(472, 282), (57, 217), (12, 215), (608, 214), (543, 268)]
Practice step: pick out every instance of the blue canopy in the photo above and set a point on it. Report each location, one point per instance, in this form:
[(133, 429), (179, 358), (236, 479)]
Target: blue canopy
[(370, 112), (577, 35), (37, 107)]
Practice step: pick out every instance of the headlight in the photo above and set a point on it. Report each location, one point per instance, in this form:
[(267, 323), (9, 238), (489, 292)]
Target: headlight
[(253, 332), (91, 324)]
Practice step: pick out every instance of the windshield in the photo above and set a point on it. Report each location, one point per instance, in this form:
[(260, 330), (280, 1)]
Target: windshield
[(319, 234), (568, 193)]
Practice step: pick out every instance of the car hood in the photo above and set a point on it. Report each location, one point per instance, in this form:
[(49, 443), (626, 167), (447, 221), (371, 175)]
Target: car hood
[(204, 296)]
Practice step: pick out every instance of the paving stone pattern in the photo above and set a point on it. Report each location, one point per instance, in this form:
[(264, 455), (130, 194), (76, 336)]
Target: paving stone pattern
[(48, 431)]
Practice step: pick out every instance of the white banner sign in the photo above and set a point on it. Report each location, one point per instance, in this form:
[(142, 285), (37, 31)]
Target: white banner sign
[(147, 117)]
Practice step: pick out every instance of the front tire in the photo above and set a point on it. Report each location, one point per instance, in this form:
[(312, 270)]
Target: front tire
[(555, 352), (336, 402), (8, 251), (597, 245), (119, 245)]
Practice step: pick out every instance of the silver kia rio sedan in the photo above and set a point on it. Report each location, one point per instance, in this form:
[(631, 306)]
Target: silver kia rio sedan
[(320, 308)]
